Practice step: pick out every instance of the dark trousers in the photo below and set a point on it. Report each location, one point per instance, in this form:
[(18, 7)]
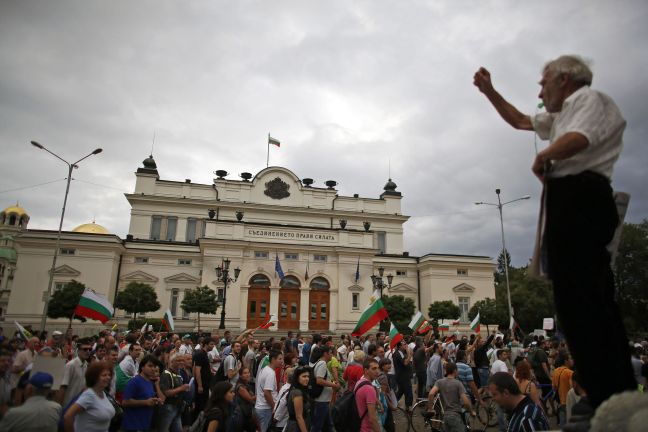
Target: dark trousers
[(421, 377), (405, 388), (200, 401), (581, 219)]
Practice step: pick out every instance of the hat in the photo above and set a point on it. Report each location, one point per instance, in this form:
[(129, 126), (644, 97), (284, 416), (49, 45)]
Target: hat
[(56, 333), (534, 343), (186, 337), (638, 345), (41, 380)]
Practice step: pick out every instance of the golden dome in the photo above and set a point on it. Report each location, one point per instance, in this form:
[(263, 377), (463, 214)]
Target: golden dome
[(15, 209), (91, 228)]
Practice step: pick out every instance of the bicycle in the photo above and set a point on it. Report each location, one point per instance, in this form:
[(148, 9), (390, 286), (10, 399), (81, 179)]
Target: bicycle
[(486, 409), (422, 420)]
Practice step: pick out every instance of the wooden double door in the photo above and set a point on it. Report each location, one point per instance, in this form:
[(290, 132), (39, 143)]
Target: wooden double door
[(289, 302), (258, 311), (319, 310)]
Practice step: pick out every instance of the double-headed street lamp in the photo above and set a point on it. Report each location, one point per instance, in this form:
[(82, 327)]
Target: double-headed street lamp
[(222, 275), (499, 206), (71, 166), (378, 281)]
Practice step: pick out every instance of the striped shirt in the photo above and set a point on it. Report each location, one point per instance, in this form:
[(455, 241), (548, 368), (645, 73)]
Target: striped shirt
[(527, 417)]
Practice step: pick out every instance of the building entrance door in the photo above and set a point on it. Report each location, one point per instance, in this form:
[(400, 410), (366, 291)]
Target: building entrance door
[(319, 305), (289, 309), (258, 308)]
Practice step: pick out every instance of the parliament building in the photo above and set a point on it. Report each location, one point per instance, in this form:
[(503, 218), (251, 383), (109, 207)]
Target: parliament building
[(328, 247)]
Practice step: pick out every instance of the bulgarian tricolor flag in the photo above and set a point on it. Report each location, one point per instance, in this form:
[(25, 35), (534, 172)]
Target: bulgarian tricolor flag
[(94, 306), (167, 320), (417, 321), (394, 336), (372, 315), (475, 325), (271, 321), (444, 327), (424, 328)]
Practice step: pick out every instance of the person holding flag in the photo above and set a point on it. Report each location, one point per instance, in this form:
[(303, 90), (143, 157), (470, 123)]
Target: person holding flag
[(371, 316), (402, 360)]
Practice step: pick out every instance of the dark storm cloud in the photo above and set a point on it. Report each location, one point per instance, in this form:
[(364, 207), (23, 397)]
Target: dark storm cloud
[(351, 90)]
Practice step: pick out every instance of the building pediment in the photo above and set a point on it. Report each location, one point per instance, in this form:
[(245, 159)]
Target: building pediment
[(138, 276), (463, 288), (402, 287), (66, 271), (355, 288), (182, 278)]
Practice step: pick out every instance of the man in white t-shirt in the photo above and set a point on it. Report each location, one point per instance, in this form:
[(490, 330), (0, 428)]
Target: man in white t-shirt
[(321, 418), (499, 365), (266, 390)]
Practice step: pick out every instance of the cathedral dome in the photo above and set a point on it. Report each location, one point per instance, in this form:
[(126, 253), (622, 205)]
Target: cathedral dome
[(91, 228), (15, 210)]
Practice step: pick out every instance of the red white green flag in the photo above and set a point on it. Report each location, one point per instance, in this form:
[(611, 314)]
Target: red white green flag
[(417, 321), (372, 315), (271, 321), (424, 328), (394, 336), (444, 327), (475, 325), (167, 320), (94, 306)]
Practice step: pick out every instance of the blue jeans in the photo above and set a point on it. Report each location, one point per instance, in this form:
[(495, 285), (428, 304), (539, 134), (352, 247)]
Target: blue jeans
[(484, 374), (265, 418), (170, 418), (321, 419), (502, 423)]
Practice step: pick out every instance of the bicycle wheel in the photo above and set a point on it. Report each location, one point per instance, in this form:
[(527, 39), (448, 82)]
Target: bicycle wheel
[(401, 420), (423, 421), (486, 412)]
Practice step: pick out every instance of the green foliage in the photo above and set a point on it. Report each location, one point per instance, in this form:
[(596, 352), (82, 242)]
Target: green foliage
[(65, 300), (500, 273), (400, 310), (631, 277), (443, 310), (137, 298), (200, 300), (137, 324), (490, 312)]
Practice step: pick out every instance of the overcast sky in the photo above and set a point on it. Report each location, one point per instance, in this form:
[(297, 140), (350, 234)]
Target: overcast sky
[(347, 86)]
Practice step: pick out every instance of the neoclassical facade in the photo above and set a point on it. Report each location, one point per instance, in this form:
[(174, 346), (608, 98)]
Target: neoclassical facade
[(180, 232)]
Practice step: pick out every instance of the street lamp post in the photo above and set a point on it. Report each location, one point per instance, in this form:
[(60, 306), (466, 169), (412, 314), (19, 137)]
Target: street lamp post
[(378, 281), (499, 206), (222, 275), (71, 166)]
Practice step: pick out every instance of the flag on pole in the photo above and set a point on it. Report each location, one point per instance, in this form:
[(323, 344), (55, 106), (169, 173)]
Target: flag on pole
[(273, 141), (512, 323), (417, 321), (444, 327), (372, 315), (306, 275), (94, 306), (357, 274), (167, 320), (144, 327), (394, 336), (24, 333), (475, 325), (271, 321), (424, 328), (278, 268)]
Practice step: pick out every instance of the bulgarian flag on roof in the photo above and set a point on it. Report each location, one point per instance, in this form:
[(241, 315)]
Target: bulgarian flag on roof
[(372, 315), (94, 306), (394, 336), (475, 325), (167, 320)]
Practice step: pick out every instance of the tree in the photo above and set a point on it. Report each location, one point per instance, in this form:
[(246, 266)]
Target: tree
[(443, 310), (65, 300), (400, 310), (200, 300), (490, 312), (531, 299), (631, 276), (137, 298), (500, 274)]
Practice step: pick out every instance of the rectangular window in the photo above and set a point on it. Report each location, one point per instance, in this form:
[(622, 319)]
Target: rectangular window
[(174, 303), (67, 251), (184, 261), (464, 306), (156, 227), (141, 260), (283, 310), (355, 301), (263, 309), (172, 224), (291, 256), (252, 308), (59, 286), (191, 230), (313, 311), (319, 258), (462, 272), (401, 272), (323, 311), (260, 254), (185, 314), (382, 242), (293, 310)]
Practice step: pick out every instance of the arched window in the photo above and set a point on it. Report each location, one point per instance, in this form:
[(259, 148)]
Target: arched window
[(319, 283), (260, 280), (290, 282), (12, 219)]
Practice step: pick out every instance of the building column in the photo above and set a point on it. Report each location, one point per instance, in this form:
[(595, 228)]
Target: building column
[(243, 305), (333, 310), (274, 305), (304, 308)]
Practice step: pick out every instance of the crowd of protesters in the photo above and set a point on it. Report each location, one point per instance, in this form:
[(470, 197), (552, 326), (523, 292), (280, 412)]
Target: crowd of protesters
[(155, 381)]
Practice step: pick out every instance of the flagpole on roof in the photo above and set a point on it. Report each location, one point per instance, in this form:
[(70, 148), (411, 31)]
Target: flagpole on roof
[(268, 156)]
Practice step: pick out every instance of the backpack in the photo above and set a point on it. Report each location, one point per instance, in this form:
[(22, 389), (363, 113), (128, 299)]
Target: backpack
[(220, 373), (255, 364), (345, 414), (316, 389), (199, 424)]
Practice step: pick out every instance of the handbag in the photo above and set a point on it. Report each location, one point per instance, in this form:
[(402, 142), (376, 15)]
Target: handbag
[(116, 421)]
